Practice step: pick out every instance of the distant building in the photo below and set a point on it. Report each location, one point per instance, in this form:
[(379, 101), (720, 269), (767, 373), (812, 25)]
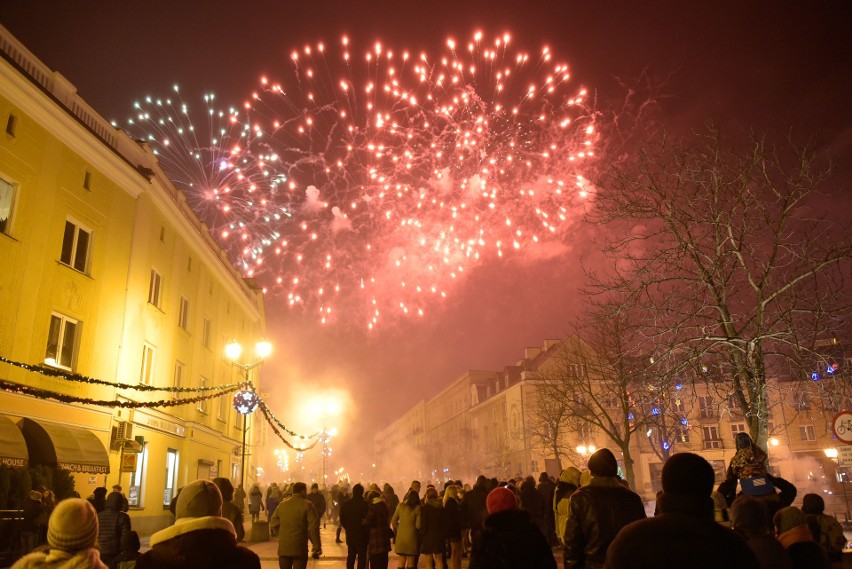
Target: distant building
[(484, 423), (108, 274)]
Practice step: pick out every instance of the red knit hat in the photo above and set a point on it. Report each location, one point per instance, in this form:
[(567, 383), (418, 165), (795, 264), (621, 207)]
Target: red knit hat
[(501, 499)]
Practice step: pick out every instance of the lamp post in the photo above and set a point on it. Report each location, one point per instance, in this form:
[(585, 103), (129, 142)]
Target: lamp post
[(246, 399)]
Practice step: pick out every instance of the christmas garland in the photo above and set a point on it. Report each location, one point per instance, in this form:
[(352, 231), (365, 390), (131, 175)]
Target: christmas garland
[(64, 398), (272, 420), (75, 377), (70, 376)]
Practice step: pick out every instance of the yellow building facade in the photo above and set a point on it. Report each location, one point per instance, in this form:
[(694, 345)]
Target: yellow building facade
[(108, 274)]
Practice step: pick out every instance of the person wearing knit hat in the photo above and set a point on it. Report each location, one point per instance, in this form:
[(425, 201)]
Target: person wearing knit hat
[(684, 533), (597, 511), (200, 538), (603, 463), (826, 530), (72, 537), (792, 531), (568, 483), (509, 537)]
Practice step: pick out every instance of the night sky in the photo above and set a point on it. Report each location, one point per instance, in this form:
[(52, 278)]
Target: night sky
[(776, 67)]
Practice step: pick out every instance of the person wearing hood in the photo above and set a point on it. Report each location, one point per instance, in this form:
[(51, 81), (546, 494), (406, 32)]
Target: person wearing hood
[(255, 503), (200, 537), (509, 538), (72, 539), (684, 533), (597, 512), (792, 531), (114, 526), (433, 529), (378, 530), (568, 483)]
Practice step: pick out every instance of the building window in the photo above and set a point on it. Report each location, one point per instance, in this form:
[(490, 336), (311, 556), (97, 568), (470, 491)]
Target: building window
[(807, 433), (171, 477), (711, 438), (737, 428), (180, 368), (183, 316), (136, 492), (11, 125), (683, 435), (205, 333), (154, 288), (61, 341), (202, 405), (147, 373), (705, 407), (7, 201), (75, 246), (87, 181), (804, 401), (222, 411)]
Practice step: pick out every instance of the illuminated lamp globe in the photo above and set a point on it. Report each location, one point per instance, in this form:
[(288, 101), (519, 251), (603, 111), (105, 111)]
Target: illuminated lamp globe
[(245, 401), (233, 351), (263, 349)]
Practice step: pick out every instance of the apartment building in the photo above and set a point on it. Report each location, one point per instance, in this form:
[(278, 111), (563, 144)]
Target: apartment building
[(108, 274)]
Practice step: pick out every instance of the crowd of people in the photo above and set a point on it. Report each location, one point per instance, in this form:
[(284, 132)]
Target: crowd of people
[(596, 520)]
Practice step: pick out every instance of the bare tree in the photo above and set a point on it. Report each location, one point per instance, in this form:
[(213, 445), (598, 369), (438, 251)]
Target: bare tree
[(728, 254)]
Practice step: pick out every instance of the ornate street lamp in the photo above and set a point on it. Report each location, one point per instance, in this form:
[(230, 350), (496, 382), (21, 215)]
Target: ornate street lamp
[(246, 399)]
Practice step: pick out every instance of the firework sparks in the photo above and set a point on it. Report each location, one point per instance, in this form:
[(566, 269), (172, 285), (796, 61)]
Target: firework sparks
[(365, 184)]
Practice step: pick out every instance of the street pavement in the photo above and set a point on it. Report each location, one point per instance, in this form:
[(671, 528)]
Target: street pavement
[(333, 554)]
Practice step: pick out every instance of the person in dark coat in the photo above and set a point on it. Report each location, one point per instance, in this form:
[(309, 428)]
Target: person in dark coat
[(32, 512), (342, 498), (827, 531), (432, 529), (114, 526), (547, 489), (98, 499), (453, 525), (200, 538), (532, 502), (684, 534), (509, 540), (353, 514), (316, 498), (597, 512), (273, 498), (230, 511), (391, 499), (792, 531), (130, 546), (750, 520), (473, 508)]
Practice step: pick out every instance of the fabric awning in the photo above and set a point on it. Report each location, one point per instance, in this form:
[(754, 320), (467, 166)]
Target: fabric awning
[(71, 448), (13, 447)]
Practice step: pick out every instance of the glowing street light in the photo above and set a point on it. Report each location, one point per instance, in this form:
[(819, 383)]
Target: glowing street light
[(245, 400)]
